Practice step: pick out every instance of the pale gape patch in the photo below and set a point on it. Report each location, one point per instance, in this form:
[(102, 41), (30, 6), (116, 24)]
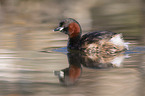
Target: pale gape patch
[(61, 74), (61, 28)]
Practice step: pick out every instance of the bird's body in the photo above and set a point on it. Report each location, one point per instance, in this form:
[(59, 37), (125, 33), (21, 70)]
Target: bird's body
[(99, 41)]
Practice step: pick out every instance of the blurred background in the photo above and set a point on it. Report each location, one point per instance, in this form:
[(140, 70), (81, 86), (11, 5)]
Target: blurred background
[(26, 30)]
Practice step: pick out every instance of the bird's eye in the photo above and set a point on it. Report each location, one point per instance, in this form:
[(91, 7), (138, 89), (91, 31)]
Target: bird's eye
[(61, 24)]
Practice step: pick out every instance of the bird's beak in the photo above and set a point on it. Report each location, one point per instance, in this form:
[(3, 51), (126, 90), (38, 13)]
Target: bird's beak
[(58, 29)]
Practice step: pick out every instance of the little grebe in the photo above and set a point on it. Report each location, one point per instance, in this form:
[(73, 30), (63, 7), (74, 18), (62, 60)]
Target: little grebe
[(99, 41)]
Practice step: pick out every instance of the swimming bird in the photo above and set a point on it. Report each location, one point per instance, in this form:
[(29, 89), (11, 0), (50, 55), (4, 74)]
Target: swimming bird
[(99, 41)]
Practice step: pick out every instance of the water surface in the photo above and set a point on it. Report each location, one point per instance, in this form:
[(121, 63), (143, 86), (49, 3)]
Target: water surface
[(34, 59)]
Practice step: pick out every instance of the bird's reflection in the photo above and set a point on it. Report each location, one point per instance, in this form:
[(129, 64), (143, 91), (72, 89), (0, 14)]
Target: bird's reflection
[(101, 61), (69, 76)]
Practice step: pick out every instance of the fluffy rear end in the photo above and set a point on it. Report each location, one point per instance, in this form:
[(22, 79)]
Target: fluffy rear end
[(108, 46), (118, 41)]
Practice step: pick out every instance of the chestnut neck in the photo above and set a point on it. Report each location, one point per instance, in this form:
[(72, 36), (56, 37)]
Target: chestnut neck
[(74, 43), (74, 32)]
